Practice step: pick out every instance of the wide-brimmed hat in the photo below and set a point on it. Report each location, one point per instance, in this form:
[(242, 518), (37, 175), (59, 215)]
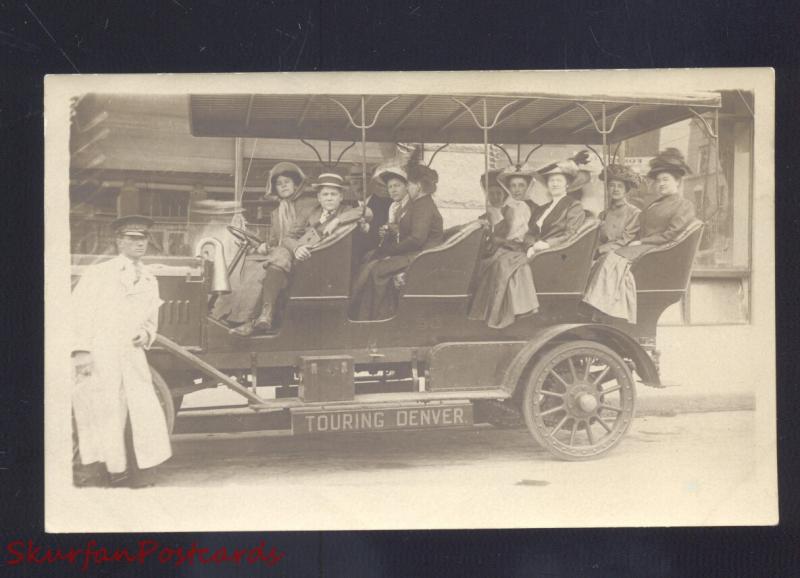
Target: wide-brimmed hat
[(132, 225), (290, 170), (620, 173), (514, 171), (386, 173), (669, 161), (424, 175), (576, 178), (329, 180)]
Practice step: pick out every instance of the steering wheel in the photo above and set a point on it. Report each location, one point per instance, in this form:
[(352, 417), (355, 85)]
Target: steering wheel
[(244, 236)]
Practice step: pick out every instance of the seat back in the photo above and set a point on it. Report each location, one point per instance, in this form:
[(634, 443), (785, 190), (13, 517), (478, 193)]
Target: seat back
[(327, 272), (565, 269), (446, 269), (669, 266)]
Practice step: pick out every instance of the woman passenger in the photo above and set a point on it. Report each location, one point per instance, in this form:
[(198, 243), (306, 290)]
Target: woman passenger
[(611, 288), (505, 287), (414, 224), (265, 273), (558, 220), (620, 222)]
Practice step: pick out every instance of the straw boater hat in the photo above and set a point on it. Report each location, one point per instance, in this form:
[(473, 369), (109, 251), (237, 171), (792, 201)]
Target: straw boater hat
[(132, 225), (576, 177), (669, 161), (329, 180), (620, 173), (290, 170)]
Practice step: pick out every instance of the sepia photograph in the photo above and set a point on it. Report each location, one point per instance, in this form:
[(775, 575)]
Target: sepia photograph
[(410, 300)]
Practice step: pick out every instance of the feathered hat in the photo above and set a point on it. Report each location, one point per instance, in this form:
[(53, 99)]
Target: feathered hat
[(421, 173), (620, 173), (576, 177), (669, 161)]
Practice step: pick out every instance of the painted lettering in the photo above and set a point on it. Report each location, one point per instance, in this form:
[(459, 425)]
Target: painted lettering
[(322, 423), (402, 418), (447, 416), (347, 421), (458, 415)]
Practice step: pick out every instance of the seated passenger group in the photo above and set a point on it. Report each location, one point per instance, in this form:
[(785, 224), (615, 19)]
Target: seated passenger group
[(414, 224), (410, 222), (505, 287), (298, 224), (628, 233)]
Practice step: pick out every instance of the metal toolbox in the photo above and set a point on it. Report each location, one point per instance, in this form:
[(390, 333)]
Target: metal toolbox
[(326, 378)]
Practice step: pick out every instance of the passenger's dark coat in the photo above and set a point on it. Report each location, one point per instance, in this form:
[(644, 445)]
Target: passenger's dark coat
[(420, 227), (620, 225), (560, 225), (661, 222), (611, 287)]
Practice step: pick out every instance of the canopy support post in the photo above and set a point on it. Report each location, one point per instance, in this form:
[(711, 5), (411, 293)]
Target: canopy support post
[(605, 159), (237, 220), (486, 154), (364, 154), (363, 126), (486, 126)]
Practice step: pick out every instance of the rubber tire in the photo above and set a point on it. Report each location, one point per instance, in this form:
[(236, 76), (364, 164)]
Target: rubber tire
[(164, 398), (527, 400)]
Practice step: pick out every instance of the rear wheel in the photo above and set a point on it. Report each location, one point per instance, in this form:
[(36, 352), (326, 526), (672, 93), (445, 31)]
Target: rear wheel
[(579, 400), (164, 398)]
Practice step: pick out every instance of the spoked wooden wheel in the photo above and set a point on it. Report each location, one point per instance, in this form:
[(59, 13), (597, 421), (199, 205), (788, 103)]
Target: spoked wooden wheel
[(579, 400)]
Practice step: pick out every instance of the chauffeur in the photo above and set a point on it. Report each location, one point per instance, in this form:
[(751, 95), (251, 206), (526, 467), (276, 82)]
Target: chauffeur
[(118, 417)]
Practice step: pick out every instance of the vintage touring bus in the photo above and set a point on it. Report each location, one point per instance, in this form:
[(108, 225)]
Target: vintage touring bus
[(429, 366)]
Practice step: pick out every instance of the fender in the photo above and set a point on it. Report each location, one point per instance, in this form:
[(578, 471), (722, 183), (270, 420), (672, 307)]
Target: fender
[(619, 341)]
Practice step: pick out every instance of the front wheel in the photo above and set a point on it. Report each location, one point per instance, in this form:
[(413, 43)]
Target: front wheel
[(164, 398), (579, 400)]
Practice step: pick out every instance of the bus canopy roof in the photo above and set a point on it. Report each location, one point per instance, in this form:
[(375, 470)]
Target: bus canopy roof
[(535, 118)]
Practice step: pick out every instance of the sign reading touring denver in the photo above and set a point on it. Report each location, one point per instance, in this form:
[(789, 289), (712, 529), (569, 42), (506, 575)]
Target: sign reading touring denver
[(390, 418)]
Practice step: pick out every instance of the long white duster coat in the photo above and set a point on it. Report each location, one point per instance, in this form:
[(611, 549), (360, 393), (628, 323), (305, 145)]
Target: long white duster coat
[(109, 309)]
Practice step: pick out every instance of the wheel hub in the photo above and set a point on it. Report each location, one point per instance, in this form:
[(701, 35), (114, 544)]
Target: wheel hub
[(582, 401), (587, 402)]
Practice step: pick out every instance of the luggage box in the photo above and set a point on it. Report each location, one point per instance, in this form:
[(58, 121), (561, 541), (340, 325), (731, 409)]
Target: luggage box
[(326, 378)]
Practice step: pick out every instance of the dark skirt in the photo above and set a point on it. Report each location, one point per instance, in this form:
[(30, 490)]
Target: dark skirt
[(374, 293), (505, 289)]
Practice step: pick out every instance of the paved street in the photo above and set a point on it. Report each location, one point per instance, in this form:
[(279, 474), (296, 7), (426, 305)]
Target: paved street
[(690, 465)]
